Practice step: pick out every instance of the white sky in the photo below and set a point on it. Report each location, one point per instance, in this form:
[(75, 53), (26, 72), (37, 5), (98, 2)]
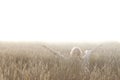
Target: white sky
[(60, 20)]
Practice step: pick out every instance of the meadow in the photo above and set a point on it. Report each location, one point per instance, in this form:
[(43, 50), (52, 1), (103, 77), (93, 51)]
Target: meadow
[(32, 61)]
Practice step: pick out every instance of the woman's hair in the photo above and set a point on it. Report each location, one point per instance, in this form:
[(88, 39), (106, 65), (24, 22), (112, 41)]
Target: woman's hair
[(76, 51)]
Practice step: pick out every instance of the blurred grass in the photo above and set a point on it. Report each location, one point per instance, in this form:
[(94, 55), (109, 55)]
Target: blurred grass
[(31, 61)]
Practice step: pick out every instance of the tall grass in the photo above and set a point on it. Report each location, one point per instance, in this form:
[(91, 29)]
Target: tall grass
[(28, 61)]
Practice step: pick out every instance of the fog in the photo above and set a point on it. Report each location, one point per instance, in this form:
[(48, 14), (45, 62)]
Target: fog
[(60, 21)]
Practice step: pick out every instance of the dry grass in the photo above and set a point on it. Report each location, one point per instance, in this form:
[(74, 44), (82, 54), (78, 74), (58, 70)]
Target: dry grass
[(31, 61)]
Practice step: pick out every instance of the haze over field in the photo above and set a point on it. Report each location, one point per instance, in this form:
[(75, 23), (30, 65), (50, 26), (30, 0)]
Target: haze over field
[(59, 21)]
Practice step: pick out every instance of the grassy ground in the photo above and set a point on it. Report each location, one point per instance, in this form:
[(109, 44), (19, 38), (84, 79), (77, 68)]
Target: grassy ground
[(32, 61)]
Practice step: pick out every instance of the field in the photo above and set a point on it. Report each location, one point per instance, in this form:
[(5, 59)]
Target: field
[(33, 61)]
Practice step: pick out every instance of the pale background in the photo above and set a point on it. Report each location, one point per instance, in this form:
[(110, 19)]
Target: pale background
[(60, 20)]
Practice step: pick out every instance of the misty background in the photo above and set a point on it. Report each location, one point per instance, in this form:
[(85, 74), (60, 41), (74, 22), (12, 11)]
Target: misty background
[(59, 20)]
